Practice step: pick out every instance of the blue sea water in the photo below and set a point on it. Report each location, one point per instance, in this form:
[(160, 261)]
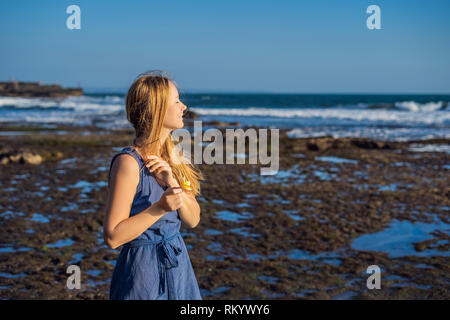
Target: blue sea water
[(385, 117)]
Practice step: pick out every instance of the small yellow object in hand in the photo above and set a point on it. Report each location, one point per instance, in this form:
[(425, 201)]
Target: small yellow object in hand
[(186, 184)]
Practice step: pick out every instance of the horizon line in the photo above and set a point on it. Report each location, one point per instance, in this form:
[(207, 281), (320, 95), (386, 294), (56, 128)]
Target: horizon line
[(195, 91)]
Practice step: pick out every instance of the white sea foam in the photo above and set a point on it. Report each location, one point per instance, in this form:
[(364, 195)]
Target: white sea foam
[(397, 134), (414, 106), (409, 119), (103, 105), (416, 147), (379, 115)]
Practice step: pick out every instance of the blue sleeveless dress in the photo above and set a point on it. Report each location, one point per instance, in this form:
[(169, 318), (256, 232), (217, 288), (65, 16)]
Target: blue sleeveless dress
[(155, 265)]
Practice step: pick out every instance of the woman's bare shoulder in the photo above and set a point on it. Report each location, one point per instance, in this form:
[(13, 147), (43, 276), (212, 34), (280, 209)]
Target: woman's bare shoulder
[(125, 166), (127, 160)]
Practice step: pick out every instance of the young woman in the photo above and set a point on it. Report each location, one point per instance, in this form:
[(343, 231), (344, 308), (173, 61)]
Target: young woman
[(146, 203)]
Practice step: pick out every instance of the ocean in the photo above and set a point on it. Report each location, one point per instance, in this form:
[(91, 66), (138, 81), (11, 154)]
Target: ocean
[(383, 117)]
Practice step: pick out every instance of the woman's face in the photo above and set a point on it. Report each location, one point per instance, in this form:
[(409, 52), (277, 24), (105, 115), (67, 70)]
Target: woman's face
[(174, 115)]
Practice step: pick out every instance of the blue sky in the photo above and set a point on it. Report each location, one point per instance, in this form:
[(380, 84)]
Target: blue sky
[(231, 46)]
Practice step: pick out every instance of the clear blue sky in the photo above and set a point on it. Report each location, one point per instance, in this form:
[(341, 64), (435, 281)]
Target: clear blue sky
[(244, 46)]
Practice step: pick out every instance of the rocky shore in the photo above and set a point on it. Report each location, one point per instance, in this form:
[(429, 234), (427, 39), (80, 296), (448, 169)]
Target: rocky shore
[(36, 89), (301, 234)]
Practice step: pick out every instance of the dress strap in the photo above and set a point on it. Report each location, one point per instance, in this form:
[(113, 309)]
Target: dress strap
[(127, 150), (138, 156)]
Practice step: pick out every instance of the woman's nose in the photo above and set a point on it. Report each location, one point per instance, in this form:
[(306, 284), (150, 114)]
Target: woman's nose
[(184, 108)]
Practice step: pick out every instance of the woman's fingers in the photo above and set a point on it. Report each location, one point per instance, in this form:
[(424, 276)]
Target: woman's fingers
[(173, 190), (155, 159), (154, 167), (159, 168), (173, 198), (154, 164), (150, 163)]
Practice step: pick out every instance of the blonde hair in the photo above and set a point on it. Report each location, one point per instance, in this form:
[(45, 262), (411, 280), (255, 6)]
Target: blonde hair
[(146, 103)]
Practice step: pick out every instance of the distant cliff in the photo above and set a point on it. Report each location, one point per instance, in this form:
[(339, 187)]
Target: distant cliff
[(36, 89)]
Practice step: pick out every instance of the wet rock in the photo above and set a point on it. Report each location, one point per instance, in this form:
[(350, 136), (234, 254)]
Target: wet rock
[(20, 157), (319, 144), (220, 123), (190, 115), (36, 89), (32, 158), (370, 144), (382, 106)]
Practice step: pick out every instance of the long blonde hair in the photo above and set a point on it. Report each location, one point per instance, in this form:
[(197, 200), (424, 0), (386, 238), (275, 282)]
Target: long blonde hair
[(146, 103)]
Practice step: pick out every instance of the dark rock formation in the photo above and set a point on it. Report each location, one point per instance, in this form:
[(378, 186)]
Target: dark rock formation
[(36, 89), (190, 115), (382, 106)]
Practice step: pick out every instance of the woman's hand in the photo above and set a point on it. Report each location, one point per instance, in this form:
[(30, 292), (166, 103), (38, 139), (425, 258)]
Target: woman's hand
[(161, 170), (171, 199)]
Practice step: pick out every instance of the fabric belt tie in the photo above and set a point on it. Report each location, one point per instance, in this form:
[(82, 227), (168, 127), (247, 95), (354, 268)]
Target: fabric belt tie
[(167, 253)]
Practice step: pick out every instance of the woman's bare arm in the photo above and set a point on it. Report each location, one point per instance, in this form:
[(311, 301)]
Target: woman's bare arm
[(118, 226), (190, 210)]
